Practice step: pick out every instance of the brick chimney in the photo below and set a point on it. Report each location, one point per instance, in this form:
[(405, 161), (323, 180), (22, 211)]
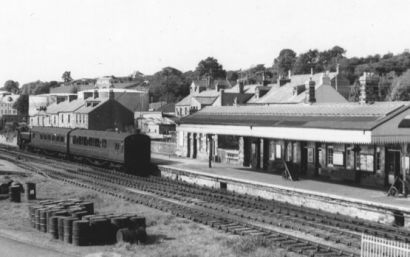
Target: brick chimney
[(363, 81), (311, 91), (241, 87), (111, 94)]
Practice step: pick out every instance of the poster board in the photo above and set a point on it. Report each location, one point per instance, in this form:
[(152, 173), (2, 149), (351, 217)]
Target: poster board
[(278, 152), (338, 158)]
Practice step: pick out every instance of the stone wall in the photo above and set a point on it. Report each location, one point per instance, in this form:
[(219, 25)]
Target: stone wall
[(315, 200)]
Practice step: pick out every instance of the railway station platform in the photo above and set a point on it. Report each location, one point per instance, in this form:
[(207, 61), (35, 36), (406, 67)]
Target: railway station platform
[(350, 200)]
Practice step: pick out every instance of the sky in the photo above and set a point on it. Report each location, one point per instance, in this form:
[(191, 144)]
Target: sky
[(41, 39)]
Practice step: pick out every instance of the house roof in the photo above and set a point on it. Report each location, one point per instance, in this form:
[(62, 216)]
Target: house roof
[(332, 116), (251, 89), (186, 101), (206, 97), (217, 82), (88, 107), (285, 93), (169, 107), (205, 100), (229, 98), (66, 106)]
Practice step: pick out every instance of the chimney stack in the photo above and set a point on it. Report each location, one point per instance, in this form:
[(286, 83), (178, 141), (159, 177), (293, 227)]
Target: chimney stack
[(363, 82), (241, 87), (311, 90), (111, 94), (95, 93)]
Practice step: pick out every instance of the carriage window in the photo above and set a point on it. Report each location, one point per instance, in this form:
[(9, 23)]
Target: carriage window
[(104, 143), (74, 140), (91, 141), (85, 141), (122, 147), (117, 146), (49, 137), (53, 138), (97, 142)]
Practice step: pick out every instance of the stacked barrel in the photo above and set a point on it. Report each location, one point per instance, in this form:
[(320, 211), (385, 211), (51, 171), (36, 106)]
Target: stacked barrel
[(74, 221)]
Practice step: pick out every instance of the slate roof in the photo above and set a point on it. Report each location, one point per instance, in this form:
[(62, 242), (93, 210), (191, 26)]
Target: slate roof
[(186, 101), (65, 106), (251, 89), (332, 116), (89, 108), (285, 93), (229, 98), (205, 100)]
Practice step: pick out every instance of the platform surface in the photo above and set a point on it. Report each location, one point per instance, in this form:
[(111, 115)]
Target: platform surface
[(318, 187)]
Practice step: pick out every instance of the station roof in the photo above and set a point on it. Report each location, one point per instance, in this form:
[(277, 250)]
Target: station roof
[(332, 116)]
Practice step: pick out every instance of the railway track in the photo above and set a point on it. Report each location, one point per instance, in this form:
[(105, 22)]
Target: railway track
[(296, 229)]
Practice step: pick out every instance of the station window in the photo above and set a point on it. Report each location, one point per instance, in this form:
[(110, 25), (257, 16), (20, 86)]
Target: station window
[(103, 143), (378, 159), (91, 141), (330, 156)]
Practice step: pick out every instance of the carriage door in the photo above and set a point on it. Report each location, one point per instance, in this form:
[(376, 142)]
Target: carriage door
[(392, 165)]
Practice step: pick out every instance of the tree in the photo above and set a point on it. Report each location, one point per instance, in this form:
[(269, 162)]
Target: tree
[(210, 67), (67, 77), (400, 88), (232, 76), (168, 85), (307, 61), (11, 86), (285, 61), (21, 105)]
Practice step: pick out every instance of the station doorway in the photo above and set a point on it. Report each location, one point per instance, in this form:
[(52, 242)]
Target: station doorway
[(392, 165)]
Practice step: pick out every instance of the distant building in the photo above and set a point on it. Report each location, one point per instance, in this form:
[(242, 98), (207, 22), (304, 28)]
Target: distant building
[(133, 82), (7, 111), (155, 124), (96, 113), (38, 105), (208, 93), (295, 89), (134, 100)]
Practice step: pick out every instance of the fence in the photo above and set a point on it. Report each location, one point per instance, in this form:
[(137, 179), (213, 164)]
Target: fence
[(379, 247)]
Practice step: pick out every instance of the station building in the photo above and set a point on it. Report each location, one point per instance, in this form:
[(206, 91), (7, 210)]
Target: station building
[(362, 143)]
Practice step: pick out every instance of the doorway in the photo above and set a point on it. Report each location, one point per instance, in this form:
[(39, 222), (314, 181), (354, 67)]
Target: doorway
[(188, 152), (303, 158), (392, 166), (194, 146), (255, 154)]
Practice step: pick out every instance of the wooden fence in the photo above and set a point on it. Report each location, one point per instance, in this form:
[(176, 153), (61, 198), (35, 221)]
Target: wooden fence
[(379, 247)]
